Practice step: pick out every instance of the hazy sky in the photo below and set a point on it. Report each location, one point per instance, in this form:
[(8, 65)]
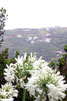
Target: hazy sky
[(35, 13)]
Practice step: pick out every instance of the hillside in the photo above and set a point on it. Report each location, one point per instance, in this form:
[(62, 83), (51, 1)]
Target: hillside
[(46, 42)]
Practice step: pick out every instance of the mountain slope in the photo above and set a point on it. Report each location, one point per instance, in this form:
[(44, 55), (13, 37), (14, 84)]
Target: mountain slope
[(46, 42)]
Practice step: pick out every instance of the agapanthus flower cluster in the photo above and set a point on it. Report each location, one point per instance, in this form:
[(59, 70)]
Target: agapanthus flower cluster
[(19, 71), (8, 91), (37, 77), (46, 83)]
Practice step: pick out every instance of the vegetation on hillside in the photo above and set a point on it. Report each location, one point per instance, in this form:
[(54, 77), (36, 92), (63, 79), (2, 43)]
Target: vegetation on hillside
[(43, 42)]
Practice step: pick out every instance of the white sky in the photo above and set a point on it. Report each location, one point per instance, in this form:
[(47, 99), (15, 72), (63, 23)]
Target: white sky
[(35, 13)]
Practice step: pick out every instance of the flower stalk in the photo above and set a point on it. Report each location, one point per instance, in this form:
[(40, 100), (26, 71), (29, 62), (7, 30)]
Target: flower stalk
[(42, 95), (24, 95)]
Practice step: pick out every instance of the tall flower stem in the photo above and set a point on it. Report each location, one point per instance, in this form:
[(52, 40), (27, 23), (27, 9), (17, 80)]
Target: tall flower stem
[(41, 95), (24, 95), (46, 95)]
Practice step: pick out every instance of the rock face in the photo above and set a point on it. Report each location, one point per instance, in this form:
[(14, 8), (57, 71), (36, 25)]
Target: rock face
[(44, 42)]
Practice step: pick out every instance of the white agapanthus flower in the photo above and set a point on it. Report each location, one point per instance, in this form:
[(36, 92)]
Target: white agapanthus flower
[(13, 74), (19, 60), (9, 72), (8, 91), (48, 80), (32, 58), (55, 93), (17, 72)]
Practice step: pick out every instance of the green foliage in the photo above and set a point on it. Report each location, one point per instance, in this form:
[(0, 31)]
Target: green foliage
[(52, 64), (61, 62), (17, 53), (65, 48), (3, 61)]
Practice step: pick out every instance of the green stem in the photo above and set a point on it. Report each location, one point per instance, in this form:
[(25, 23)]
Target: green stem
[(41, 95), (44, 90), (24, 95)]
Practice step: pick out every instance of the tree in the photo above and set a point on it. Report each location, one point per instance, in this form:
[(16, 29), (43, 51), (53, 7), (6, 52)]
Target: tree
[(63, 60), (3, 17)]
